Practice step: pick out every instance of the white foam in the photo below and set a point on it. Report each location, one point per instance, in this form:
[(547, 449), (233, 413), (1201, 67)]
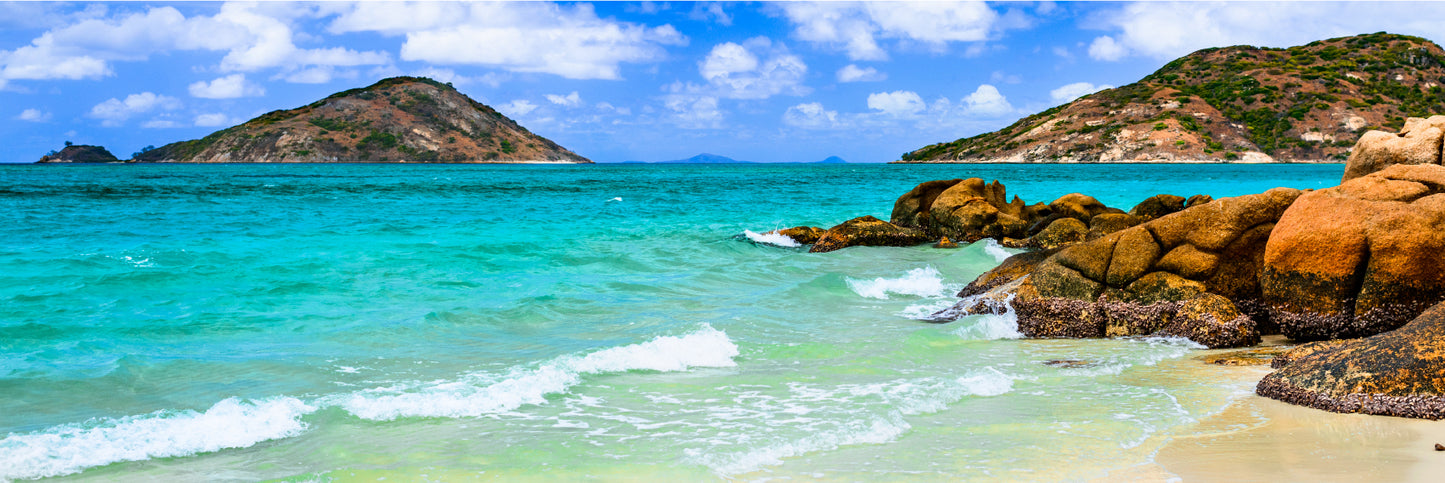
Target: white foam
[(876, 431), (619, 198), (481, 394), (921, 282), (70, 448), (998, 252), (993, 326), (772, 238)]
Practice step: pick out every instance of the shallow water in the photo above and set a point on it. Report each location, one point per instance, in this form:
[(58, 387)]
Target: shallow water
[(448, 322)]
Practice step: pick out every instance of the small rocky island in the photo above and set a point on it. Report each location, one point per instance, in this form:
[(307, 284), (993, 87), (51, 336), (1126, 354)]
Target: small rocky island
[(1307, 103), (1353, 272), (79, 153), (396, 120)]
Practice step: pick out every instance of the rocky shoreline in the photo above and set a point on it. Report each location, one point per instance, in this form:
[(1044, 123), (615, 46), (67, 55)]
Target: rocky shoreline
[(1356, 266)]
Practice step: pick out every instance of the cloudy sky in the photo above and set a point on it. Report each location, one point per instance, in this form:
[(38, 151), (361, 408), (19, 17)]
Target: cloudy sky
[(620, 81)]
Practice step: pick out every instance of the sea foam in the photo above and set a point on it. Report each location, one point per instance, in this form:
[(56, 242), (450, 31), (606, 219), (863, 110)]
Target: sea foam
[(998, 252), (70, 448), (480, 394), (992, 326), (772, 238), (921, 282)]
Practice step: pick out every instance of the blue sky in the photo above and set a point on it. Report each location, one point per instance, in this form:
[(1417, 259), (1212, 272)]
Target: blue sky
[(616, 81)]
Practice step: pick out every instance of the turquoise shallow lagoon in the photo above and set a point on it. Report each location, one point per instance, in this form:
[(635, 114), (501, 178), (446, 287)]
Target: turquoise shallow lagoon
[(245, 322)]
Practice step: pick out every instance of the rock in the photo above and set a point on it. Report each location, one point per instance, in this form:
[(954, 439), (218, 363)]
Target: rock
[(1299, 352), (1062, 232), (1213, 320), (1398, 373), (806, 235), (965, 210), (80, 153), (1360, 258), (1010, 270), (1157, 206), (1418, 142), (1197, 200), (1080, 207), (868, 231), (945, 243), (1135, 281), (1439, 447), (1069, 363), (1106, 223), (1262, 356), (912, 209)]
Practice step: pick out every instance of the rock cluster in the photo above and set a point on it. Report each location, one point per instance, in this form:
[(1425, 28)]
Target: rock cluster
[(1397, 373), (1418, 142)]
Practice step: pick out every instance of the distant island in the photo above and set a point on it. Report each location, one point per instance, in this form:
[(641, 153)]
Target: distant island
[(396, 120), (79, 153), (1307, 103), (708, 158)]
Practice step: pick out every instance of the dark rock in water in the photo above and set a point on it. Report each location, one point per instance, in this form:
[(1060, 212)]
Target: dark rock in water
[(1214, 321), (1418, 142), (1062, 232), (1157, 206), (945, 243), (1397, 373), (1068, 363), (1197, 200), (80, 153), (868, 231), (1011, 269), (1439, 447), (1360, 258), (806, 235), (1262, 356)]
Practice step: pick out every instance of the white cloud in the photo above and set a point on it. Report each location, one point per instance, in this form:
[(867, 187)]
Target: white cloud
[(694, 112), (987, 101), (114, 112), (320, 74), (1168, 30), (518, 107), (856, 28), (1076, 90), (252, 36), (710, 12), (569, 41), (607, 106), (853, 73), (811, 116), (1000, 76), (755, 69), (569, 100), (33, 115), (212, 120), (228, 87), (896, 103), (1106, 48), (159, 124)]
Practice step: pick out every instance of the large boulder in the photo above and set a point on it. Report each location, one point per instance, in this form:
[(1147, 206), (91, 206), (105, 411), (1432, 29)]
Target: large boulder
[(1418, 142), (964, 210), (1157, 206), (1360, 258), (806, 235), (1134, 282), (868, 231), (1398, 373)]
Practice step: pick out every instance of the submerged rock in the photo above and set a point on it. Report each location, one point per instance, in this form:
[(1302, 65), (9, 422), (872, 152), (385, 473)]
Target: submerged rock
[(1261, 356), (1360, 258), (945, 243), (1397, 373), (868, 231)]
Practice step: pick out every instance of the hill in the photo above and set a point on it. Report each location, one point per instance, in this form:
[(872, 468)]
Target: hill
[(704, 158), (831, 160), (79, 153), (400, 119), (1308, 103)]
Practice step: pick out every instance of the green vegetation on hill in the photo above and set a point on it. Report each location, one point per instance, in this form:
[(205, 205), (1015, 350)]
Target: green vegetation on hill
[(1307, 102)]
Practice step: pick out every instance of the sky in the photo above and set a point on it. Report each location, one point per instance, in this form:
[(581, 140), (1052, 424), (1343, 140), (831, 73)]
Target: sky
[(621, 81)]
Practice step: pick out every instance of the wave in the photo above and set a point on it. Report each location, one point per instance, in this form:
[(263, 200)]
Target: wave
[(998, 252), (70, 448), (992, 326), (772, 238), (921, 282), (480, 394)]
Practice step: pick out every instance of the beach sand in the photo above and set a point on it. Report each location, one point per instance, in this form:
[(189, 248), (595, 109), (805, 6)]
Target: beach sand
[(1260, 439)]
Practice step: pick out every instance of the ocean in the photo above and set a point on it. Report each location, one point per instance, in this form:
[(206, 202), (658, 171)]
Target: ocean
[(456, 322)]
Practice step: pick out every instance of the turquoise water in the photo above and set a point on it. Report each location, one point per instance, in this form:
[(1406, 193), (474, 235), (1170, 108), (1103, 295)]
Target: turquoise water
[(446, 322)]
